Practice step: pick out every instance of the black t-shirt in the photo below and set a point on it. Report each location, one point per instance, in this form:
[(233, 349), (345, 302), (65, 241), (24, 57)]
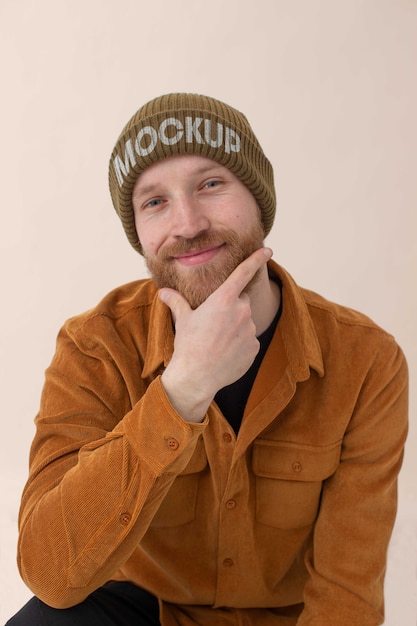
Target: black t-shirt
[(232, 399)]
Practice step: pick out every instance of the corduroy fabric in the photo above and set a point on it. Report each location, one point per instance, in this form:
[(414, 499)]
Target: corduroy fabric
[(122, 488), (183, 123)]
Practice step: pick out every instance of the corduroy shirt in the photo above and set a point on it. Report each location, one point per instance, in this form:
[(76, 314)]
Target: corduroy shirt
[(287, 523)]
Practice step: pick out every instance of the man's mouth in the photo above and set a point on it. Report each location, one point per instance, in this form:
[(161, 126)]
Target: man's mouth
[(195, 257)]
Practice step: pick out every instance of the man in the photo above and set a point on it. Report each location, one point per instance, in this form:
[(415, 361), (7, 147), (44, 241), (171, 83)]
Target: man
[(215, 445)]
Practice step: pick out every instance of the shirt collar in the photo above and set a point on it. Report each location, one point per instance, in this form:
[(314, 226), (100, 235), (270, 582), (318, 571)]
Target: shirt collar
[(160, 344), (298, 333)]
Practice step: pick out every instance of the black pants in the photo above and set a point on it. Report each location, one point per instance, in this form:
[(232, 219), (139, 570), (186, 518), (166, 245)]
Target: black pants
[(115, 604)]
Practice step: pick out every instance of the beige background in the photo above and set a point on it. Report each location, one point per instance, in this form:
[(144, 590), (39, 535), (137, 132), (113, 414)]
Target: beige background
[(330, 89)]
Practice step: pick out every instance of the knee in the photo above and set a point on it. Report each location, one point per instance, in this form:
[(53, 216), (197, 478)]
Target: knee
[(29, 614)]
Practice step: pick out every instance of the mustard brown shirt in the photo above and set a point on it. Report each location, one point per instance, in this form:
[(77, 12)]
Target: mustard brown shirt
[(287, 523)]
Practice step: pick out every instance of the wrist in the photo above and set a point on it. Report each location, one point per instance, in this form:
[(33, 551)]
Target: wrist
[(188, 402)]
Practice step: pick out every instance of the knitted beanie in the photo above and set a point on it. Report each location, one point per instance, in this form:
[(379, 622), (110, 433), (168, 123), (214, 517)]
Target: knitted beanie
[(188, 124)]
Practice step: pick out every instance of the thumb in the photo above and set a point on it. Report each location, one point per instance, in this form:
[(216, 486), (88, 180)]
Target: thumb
[(175, 301)]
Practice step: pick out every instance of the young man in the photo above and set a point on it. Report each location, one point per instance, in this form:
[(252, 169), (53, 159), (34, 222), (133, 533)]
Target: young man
[(215, 445)]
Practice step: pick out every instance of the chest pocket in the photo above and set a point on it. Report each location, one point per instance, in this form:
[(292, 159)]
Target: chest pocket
[(178, 506), (288, 481)]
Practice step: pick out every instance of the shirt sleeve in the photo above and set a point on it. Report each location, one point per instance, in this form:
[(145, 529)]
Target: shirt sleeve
[(100, 465), (359, 502)]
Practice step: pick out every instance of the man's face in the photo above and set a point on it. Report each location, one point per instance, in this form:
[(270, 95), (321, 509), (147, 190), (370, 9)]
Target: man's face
[(196, 222)]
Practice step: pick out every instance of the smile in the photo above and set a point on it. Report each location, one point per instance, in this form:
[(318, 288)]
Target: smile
[(197, 257)]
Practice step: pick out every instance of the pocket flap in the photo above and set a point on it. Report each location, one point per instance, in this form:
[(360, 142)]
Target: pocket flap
[(295, 461)]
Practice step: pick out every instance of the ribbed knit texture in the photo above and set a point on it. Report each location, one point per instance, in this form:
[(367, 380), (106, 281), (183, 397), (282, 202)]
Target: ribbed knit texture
[(188, 124)]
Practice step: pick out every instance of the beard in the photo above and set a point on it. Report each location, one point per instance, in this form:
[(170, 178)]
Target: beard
[(196, 284)]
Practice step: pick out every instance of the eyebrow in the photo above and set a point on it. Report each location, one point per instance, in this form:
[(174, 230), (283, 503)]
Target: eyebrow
[(138, 190)]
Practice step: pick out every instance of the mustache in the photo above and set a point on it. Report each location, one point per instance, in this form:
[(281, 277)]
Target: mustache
[(199, 242)]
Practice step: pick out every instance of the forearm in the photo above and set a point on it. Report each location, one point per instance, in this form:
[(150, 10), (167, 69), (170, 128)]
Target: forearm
[(83, 513)]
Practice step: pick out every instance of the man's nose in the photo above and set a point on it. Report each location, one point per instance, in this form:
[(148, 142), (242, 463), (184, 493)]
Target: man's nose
[(190, 218)]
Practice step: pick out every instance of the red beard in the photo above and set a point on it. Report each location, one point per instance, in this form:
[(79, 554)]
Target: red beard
[(197, 283)]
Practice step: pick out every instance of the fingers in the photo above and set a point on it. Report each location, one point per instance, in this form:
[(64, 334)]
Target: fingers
[(244, 272), (174, 301)]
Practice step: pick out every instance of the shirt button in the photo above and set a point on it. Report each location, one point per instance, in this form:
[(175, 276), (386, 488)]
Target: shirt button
[(173, 444), (227, 437), (230, 504), (296, 466), (228, 562), (125, 518)]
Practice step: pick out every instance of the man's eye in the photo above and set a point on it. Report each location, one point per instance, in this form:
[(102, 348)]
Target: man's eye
[(212, 183), (151, 204)]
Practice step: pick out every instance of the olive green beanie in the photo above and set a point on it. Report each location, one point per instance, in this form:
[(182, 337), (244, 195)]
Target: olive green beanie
[(188, 124)]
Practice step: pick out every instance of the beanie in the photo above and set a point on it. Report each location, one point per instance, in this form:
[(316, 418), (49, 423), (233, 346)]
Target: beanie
[(182, 123)]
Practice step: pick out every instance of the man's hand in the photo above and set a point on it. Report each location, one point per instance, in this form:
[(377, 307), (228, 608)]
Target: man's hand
[(215, 344)]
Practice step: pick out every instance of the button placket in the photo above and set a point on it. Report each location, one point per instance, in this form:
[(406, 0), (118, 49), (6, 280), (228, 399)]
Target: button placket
[(227, 542)]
